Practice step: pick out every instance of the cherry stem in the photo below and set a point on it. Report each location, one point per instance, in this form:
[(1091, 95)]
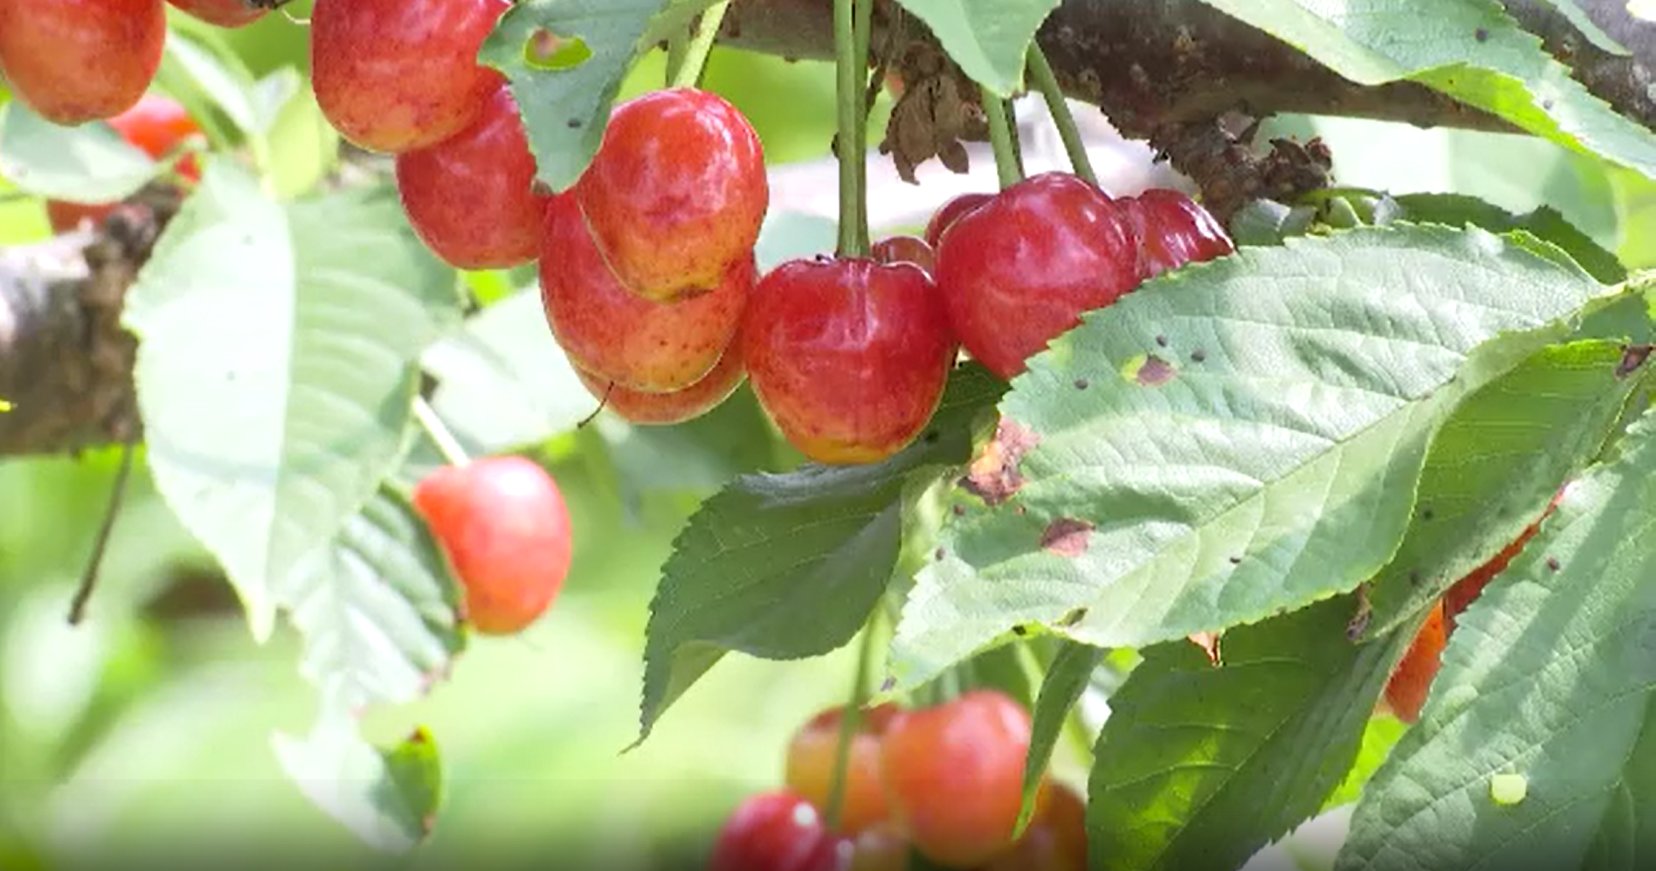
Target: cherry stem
[(695, 55), (1041, 71), (1000, 137), (850, 722), (439, 433), (100, 545), (849, 144)]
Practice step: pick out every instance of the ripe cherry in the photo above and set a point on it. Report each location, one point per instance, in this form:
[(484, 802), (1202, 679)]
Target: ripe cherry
[(503, 523), (471, 197), (1056, 839), (618, 336), (906, 249), (810, 766), (224, 13), (776, 831), (156, 125), (76, 60), (950, 212), (847, 356), (1021, 269), (661, 409), (396, 75), (1172, 230), (954, 774), (1411, 680), (677, 192)]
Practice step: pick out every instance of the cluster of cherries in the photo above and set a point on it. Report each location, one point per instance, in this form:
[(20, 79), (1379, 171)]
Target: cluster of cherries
[(946, 781)]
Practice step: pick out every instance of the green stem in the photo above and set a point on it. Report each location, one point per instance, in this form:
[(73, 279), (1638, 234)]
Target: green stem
[(853, 236), (850, 722), (438, 432), (695, 56), (1041, 72), (1000, 136)]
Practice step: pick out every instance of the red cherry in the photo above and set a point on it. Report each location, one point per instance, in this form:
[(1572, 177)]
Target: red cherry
[(660, 409), (1411, 680), (471, 197), (1022, 268), (224, 13), (906, 249), (810, 767), (1172, 230), (76, 60), (396, 75), (776, 831), (1056, 839), (618, 336), (955, 776), (156, 125), (677, 192), (847, 356), (503, 523), (952, 211), (65, 217)]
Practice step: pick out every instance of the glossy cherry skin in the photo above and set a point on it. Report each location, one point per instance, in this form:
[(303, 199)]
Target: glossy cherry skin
[(73, 61), (665, 409), (1056, 839), (156, 125), (1172, 230), (810, 767), (1021, 269), (847, 356), (471, 197), (677, 192), (951, 212), (776, 831), (618, 336), (505, 527), (954, 774), (396, 75), (224, 13), (906, 249)]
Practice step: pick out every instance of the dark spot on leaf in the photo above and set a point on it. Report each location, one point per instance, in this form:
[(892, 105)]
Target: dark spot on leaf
[(1020, 631), (419, 736), (994, 476), (960, 511), (1427, 514), (1073, 617), (932, 436), (1081, 384), (888, 685), (1020, 510), (1360, 620), (1547, 104), (574, 123), (1633, 357), (546, 50), (1481, 35), (1553, 563), (1236, 560), (1162, 341), (939, 554), (1414, 577), (1198, 355), (1067, 537)]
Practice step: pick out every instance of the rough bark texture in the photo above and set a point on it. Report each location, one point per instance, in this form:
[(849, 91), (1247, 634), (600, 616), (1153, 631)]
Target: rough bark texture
[(1175, 72)]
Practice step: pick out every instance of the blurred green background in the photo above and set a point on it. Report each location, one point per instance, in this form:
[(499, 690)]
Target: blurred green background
[(150, 725)]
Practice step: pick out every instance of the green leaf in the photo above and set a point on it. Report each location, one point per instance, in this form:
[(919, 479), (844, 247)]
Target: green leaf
[(302, 147), (1232, 440), (376, 607), (1379, 737), (789, 566), (277, 367), (203, 73), (1067, 678), (566, 106), (388, 798), (1471, 50), (987, 38), (90, 163), (1545, 223), (1548, 676), (1494, 466), (1200, 765)]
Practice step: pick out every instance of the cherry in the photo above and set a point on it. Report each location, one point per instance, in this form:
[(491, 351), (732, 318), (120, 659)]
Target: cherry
[(659, 409), (224, 13), (76, 60), (810, 767), (1020, 270), (776, 831), (1056, 839), (618, 336), (1172, 230), (156, 125), (503, 523), (847, 356), (906, 249), (881, 848), (396, 75), (954, 774), (471, 197), (677, 192), (1411, 680), (950, 212)]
